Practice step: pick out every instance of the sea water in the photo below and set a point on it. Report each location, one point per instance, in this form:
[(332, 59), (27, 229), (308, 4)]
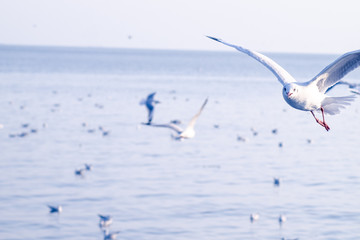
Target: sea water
[(55, 101)]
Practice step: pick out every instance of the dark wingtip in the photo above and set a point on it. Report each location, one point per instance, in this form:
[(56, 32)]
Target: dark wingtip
[(216, 39)]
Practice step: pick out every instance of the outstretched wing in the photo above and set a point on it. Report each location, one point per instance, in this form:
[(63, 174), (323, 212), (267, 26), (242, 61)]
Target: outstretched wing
[(190, 126), (337, 70), (53, 209), (104, 218), (177, 129), (282, 75), (150, 97)]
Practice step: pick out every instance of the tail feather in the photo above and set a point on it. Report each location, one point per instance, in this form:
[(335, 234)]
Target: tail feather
[(333, 105)]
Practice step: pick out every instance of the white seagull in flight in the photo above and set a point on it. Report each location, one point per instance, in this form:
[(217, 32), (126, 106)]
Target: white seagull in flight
[(311, 95), (189, 131)]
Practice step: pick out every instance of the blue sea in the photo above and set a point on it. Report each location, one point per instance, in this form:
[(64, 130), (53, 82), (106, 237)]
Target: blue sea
[(54, 101)]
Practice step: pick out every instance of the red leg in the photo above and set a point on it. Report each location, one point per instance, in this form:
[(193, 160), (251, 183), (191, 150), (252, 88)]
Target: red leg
[(322, 123), (325, 125)]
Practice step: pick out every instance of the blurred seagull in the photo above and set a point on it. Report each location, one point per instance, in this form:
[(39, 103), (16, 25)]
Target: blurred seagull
[(189, 131), (150, 102), (105, 221), (311, 95), (282, 219), (80, 172), (254, 132), (254, 217), (111, 235), (88, 167), (276, 182), (55, 209)]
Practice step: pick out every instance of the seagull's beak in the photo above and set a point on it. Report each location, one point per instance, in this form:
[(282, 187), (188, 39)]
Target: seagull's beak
[(289, 94)]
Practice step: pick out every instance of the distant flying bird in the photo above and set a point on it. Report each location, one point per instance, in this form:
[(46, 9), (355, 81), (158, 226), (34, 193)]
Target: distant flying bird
[(189, 131), (105, 221), (311, 95), (150, 102), (55, 209)]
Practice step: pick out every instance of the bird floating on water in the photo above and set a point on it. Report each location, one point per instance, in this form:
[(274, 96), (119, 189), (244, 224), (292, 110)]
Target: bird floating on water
[(88, 167), (276, 182), (105, 221), (189, 131), (254, 132), (282, 219), (110, 235), (150, 102), (80, 172), (254, 217), (310, 96), (55, 209)]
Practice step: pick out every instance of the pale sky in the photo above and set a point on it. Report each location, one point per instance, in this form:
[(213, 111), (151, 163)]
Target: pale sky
[(318, 26)]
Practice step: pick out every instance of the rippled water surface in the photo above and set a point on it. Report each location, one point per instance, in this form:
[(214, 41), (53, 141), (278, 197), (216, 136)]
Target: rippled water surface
[(153, 186)]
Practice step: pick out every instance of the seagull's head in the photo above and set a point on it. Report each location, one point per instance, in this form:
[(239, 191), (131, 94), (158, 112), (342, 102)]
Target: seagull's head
[(290, 90)]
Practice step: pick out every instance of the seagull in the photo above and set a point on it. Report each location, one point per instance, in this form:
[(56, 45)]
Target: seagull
[(149, 102), (189, 131), (88, 167), (241, 139), (111, 235), (255, 133), (80, 172), (55, 209), (310, 96), (254, 217), (282, 219), (105, 221), (276, 182), (104, 132)]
